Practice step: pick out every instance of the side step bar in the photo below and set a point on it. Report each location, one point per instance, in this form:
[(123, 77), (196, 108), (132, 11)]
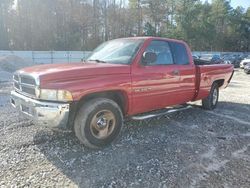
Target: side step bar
[(163, 112)]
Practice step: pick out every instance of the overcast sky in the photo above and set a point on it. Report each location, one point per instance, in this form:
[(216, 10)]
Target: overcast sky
[(234, 3), (243, 3)]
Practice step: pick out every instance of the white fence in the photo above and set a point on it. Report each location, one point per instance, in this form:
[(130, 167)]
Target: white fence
[(50, 57), (47, 57), (200, 53)]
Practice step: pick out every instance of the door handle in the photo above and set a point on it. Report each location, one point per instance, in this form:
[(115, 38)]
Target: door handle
[(176, 72)]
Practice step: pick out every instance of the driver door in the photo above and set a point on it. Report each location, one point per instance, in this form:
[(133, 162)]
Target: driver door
[(156, 84)]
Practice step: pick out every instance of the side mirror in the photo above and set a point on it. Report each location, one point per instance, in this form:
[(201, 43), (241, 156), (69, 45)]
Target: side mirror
[(149, 57)]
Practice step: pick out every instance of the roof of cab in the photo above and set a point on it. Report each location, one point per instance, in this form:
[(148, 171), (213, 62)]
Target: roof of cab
[(152, 38)]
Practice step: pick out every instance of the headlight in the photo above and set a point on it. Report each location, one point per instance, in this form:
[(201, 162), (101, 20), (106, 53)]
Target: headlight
[(54, 95)]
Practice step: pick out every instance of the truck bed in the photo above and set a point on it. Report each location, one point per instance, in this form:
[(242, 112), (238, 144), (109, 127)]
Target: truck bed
[(201, 62), (207, 73)]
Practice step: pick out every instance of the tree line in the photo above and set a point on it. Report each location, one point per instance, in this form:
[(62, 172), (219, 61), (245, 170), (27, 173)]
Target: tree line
[(83, 24)]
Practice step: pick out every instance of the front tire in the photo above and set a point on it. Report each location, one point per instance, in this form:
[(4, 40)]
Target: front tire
[(98, 122), (211, 101)]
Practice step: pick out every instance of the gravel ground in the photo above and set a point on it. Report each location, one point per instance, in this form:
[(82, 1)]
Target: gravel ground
[(195, 148)]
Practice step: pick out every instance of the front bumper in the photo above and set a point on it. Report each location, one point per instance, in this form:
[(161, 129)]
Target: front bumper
[(242, 66), (247, 71), (50, 114)]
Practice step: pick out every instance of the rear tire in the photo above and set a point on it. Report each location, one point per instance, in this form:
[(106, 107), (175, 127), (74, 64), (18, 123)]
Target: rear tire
[(211, 101), (98, 122)]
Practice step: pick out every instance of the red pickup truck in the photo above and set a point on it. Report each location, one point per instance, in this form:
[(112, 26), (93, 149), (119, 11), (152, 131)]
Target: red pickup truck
[(129, 77)]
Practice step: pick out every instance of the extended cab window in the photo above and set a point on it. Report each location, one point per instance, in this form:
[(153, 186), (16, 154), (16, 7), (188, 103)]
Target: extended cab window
[(162, 50), (179, 52)]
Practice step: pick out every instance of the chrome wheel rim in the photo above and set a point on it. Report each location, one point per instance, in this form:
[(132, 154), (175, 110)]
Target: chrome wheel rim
[(102, 124), (215, 96)]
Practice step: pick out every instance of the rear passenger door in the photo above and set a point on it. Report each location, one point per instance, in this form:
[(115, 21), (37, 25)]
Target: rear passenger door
[(185, 68)]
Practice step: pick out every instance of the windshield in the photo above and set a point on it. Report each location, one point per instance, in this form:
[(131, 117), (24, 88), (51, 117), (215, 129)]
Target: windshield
[(119, 51)]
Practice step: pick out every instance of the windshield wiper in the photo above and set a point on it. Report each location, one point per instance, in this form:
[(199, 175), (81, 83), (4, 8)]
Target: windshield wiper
[(97, 60)]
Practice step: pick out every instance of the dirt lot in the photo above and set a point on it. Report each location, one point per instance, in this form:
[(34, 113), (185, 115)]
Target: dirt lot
[(195, 148)]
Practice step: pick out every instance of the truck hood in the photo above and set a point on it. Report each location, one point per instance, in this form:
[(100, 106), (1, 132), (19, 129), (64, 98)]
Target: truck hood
[(57, 72)]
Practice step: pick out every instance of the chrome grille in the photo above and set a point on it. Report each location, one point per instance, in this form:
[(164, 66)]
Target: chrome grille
[(17, 86), (16, 77), (25, 84), (30, 91), (28, 80)]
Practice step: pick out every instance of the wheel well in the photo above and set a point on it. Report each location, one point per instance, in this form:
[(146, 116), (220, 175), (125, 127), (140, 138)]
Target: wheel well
[(220, 82), (118, 96)]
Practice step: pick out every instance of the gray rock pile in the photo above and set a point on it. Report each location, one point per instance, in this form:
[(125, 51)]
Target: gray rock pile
[(9, 64)]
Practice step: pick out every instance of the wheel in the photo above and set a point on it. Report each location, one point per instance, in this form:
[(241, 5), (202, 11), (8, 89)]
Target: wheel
[(98, 122), (211, 101)]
